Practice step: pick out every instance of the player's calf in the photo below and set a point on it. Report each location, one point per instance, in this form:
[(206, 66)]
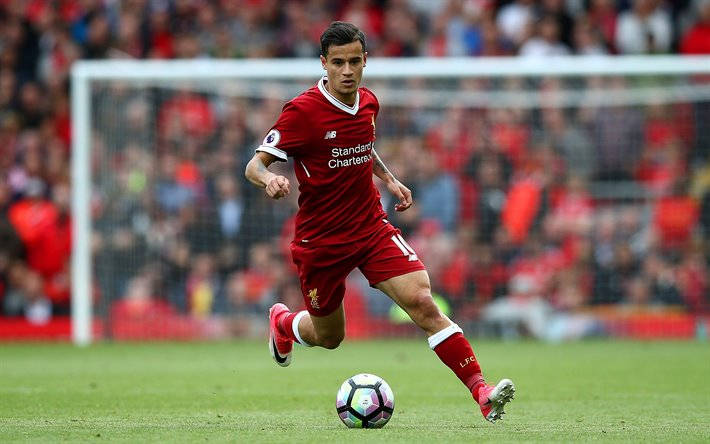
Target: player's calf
[(455, 351), (425, 313), (330, 340)]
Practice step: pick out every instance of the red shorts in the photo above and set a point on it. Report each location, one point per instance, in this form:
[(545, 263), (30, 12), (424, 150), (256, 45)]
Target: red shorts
[(322, 270)]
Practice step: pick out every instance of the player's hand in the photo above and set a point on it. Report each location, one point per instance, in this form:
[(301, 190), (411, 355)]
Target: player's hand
[(402, 193), (278, 187)]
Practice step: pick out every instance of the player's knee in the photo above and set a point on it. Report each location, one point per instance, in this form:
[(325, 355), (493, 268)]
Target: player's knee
[(331, 341), (423, 305)]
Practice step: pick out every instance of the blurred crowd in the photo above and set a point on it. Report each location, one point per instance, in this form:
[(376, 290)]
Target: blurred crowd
[(511, 215)]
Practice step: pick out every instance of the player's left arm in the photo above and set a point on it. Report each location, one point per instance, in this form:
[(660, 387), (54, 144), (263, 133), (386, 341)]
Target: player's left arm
[(395, 187)]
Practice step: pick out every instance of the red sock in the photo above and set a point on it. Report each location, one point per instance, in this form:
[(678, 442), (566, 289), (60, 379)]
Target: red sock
[(285, 324), (457, 354)]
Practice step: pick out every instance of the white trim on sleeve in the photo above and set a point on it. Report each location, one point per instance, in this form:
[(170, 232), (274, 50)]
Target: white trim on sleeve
[(281, 155)]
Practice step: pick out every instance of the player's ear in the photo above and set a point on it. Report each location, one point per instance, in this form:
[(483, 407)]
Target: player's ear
[(323, 61), (364, 59)]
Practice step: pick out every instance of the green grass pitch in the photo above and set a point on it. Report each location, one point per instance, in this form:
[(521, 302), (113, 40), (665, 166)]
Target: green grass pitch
[(232, 391)]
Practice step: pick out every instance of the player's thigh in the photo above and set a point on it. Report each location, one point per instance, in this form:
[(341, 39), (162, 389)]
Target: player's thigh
[(322, 278), (390, 256), (407, 290)]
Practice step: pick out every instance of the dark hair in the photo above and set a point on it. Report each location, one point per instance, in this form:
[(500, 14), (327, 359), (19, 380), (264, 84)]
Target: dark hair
[(338, 34)]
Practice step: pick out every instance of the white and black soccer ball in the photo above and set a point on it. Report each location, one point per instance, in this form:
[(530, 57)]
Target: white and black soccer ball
[(365, 402)]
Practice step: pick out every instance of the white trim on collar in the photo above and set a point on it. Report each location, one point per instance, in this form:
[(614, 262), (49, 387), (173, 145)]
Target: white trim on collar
[(347, 108)]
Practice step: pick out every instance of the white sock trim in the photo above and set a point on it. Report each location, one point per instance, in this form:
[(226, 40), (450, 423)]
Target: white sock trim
[(440, 336), (296, 333)]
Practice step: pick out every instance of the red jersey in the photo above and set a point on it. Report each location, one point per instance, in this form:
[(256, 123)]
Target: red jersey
[(331, 144)]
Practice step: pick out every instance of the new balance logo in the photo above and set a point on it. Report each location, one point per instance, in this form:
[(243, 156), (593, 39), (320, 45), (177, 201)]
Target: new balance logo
[(329, 135)]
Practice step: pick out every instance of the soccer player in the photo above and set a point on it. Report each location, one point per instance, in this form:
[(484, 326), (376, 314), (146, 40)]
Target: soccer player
[(329, 131)]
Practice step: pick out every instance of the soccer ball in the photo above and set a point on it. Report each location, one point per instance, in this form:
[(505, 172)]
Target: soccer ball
[(365, 401)]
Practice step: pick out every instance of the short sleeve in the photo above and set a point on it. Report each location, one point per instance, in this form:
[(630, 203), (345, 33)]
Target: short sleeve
[(288, 136)]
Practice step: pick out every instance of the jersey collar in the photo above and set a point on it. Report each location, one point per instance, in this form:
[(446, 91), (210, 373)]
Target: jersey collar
[(347, 108)]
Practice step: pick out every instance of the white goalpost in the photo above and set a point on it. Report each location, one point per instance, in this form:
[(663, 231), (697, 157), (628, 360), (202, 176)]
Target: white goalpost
[(676, 79)]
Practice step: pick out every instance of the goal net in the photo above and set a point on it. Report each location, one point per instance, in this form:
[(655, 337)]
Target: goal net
[(557, 199)]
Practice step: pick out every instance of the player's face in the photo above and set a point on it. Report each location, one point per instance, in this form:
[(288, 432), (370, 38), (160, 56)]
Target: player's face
[(344, 67)]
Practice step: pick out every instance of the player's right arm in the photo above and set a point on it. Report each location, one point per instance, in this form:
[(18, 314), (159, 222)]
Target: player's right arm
[(258, 173), (287, 137)]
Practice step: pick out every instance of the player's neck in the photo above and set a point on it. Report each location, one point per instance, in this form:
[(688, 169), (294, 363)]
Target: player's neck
[(348, 99)]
